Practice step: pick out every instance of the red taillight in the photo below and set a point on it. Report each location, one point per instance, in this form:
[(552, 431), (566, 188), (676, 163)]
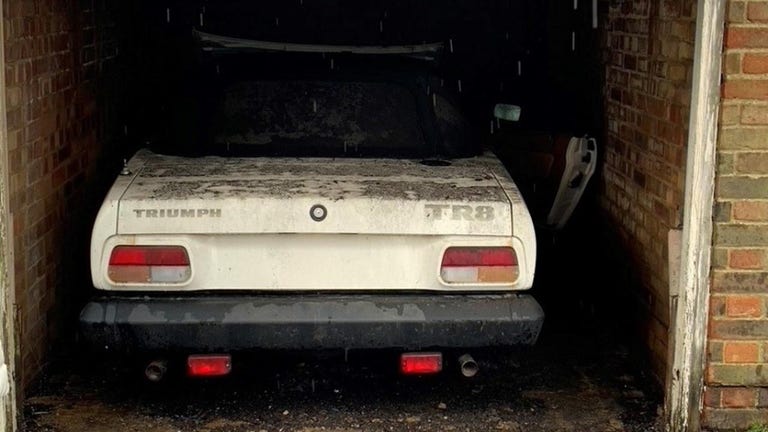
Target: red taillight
[(421, 363), (149, 264), (149, 255), (479, 265), (209, 365), (475, 256)]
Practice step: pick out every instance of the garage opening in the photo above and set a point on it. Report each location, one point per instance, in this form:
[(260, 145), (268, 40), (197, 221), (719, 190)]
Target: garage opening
[(89, 83)]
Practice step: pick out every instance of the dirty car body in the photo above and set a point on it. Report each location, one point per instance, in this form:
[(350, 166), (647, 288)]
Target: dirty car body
[(343, 209)]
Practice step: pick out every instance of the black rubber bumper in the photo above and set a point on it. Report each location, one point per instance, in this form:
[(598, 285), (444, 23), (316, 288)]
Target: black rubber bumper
[(125, 324)]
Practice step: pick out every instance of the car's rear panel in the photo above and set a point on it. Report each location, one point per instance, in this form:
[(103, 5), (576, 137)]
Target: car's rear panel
[(213, 255), (248, 224)]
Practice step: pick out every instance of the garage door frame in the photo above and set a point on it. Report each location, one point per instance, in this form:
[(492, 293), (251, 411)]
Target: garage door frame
[(691, 303)]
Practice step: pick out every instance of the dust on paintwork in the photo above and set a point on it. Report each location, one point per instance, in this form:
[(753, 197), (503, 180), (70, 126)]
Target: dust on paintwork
[(165, 178)]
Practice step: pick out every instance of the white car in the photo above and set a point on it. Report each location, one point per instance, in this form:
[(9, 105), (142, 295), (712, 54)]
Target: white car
[(346, 210)]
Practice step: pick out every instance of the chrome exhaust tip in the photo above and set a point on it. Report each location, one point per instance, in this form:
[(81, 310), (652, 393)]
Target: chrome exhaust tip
[(155, 370), (468, 366)]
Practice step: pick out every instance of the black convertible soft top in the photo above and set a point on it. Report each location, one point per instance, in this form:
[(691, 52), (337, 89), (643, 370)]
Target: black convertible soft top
[(256, 98)]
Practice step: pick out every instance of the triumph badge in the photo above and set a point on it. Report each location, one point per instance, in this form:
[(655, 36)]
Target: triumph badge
[(318, 212)]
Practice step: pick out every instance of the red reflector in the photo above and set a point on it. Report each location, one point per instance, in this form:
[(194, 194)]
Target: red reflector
[(149, 256), (209, 365), (421, 363), (478, 256)]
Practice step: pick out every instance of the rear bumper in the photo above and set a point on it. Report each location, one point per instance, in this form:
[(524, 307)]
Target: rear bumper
[(230, 323)]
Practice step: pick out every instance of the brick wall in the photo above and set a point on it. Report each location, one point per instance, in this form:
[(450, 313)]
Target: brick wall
[(737, 382), (54, 51), (647, 51)]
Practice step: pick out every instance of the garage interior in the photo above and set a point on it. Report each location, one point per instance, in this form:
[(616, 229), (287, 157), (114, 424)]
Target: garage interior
[(89, 82)]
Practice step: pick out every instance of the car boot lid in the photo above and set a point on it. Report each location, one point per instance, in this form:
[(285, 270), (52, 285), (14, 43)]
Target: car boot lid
[(347, 196)]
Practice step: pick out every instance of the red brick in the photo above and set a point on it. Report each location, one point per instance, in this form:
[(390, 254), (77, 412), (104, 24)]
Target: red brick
[(757, 11), (717, 305), (712, 396), (715, 351), (749, 329), (735, 11), (752, 163), (677, 72), (747, 259), (730, 114), (754, 114), (744, 306), (746, 37), (746, 89), (741, 352), (710, 375), (754, 63), (739, 397), (753, 211)]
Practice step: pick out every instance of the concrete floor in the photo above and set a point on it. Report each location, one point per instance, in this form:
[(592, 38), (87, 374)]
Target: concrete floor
[(569, 382)]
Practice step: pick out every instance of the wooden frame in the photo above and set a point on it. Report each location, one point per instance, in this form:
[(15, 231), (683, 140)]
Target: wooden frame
[(688, 329)]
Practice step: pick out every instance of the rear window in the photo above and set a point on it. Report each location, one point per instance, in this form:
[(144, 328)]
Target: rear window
[(289, 105), (317, 118)]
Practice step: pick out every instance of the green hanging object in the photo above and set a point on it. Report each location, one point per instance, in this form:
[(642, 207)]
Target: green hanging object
[(507, 112)]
